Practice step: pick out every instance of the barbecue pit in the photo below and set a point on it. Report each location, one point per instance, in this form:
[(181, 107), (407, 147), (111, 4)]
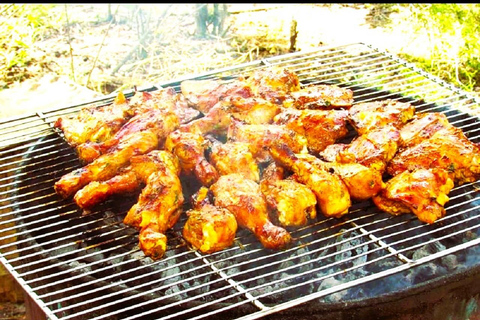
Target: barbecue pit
[(76, 266)]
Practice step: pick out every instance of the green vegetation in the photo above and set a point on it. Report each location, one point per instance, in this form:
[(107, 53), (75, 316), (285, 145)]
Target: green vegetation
[(449, 31), (21, 26)]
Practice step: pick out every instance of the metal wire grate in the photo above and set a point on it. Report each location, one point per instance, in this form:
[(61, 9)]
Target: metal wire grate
[(78, 266)]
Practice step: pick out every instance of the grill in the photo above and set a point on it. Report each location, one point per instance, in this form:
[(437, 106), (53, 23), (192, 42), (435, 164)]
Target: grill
[(76, 266)]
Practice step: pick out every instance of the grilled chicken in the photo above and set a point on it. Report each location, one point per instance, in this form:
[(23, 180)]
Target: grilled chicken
[(262, 136), (234, 157), (367, 116), (423, 192), (107, 165), (157, 209), (148, 117), (219, 117), (244, 198), (272, 84), (448, 149), (95, 124), (321, 128), (190, 149), (320, 97), (209, 228), (373, 149), (204, 94), (422, 127), (130, 179), (291, 203), (362, 182), (332, 194)]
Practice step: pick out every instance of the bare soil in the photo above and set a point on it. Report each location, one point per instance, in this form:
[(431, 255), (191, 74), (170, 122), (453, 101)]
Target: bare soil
[(89, 55)]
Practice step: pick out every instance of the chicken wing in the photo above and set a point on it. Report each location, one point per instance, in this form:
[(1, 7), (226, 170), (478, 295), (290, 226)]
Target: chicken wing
[(373, 149), (204, 94), (190, 149), (320, 97), (423, 192), (367, 116), (95, 124), (209, 228), (291, 203), (245, 200), (332, 194), (234, 157), (262, 136), (130, 179), (272, 84), (157, 209), (321, 128), (107, 165), (446, 149), (162, 121), (362, 182)]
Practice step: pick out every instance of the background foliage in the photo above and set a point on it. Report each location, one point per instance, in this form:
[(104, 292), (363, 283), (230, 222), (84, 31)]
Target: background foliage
[(449, 31)]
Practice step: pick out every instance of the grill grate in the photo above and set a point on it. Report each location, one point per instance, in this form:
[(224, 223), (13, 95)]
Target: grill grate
[(79, 267)]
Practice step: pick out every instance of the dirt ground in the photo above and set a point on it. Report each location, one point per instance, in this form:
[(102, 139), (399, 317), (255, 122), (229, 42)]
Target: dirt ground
[(144, 45), (92, 56)]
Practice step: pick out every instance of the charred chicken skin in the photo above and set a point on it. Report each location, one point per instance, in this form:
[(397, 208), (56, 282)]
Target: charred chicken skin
[(332, 194), (321, 128), (368, 116), (190, 149), (209, 228), (244, 198), (205, 94), (291, 203), (320, 97), (422, 127), (423, 192)]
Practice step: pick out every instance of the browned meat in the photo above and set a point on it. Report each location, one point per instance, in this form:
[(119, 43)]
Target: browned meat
[(209, 228), (423, 192), (368, 116), (373, 149), (245, 200), (321, 128), (190, 149), (204, 94), (234, 157), (448, 149), (262, 136), (362, 182), (273, 84), (107, 165), (95, 124), (130, 179), (422, 127), (332, 194), (291, 203), (320, 97)]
